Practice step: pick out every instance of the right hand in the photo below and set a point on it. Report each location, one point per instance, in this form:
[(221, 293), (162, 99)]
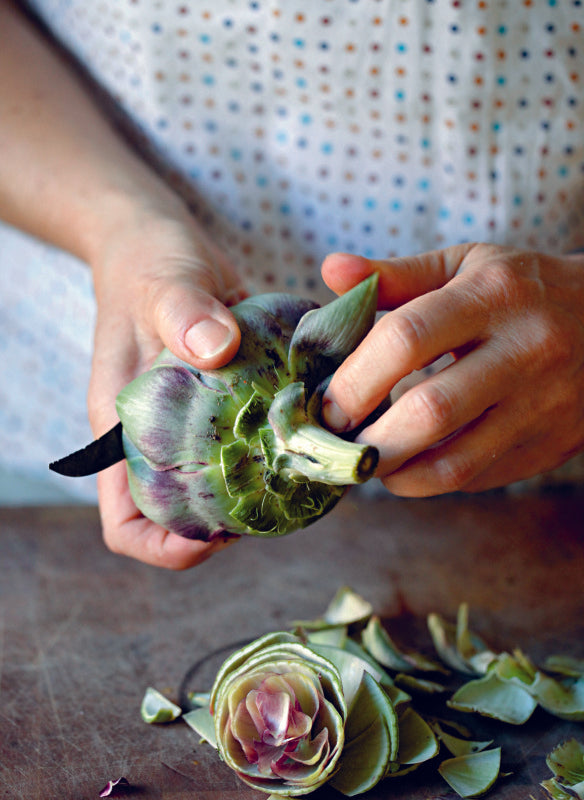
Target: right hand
[(158, 282)]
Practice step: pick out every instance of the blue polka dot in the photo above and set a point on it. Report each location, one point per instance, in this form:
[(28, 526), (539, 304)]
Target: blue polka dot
[(306, 119), (323, 45), (563, 171), (502, 30), (302, 143), (370, 202), (424, 184), (501, 80), (425, 143), (517, 200), (395, 205), (421, 209), (285, 209), (261, 181), (401, 47), (444, 213), (205, 38), (233, 106), (228, 22), (299, 43), (156, 28), (400, 94), (326, 148), (302, 83), (467, 219), (208, 80), (452, 78), (235, 154)]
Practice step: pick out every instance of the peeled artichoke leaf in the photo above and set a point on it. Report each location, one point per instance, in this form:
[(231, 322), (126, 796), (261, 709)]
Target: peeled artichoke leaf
[(565, 665), (472, 775), (566, 761), (371, 740), (334, 637), (417, 742), (156, 708), (457, 745), (347, 607), (325, 331), (557, 791), (492, 697), (458, 647), (421, 685), (381, 646), (564, 699), (201, 720)]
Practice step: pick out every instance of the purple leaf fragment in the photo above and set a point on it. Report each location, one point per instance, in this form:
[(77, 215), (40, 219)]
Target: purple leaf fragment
[(111, 785)]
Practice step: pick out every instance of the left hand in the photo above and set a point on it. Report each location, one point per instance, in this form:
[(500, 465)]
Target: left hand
[(511, 404)]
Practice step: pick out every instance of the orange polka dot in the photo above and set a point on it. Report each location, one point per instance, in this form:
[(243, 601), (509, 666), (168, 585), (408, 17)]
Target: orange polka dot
[(377, 20), (300, 18), (575, 27), (350, 47), (481, 30), (404, 21)]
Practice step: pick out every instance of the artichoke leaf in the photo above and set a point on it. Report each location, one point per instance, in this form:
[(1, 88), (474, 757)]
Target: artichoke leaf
[(472, 775), (492, 697), (156, 708), (417, 742), (201, 721), (371, 740), (324, 331), (566, 762), (379, 643)]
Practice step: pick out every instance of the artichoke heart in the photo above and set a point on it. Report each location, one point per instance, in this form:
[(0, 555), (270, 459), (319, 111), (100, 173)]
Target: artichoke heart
[(239, 450)]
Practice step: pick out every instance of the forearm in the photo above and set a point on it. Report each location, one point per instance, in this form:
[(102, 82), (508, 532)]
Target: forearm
[(66, 175)]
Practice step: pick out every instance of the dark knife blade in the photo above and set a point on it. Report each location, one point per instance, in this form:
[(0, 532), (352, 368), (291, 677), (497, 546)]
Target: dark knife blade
[(98, 455)]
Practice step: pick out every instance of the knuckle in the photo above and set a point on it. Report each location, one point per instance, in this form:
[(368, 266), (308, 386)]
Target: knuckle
[(454, 471), (432, 409), (406, 330)]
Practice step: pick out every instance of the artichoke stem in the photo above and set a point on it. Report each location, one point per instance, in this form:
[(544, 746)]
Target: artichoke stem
[(320, 455)]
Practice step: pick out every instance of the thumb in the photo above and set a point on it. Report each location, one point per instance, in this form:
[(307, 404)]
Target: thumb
[(194, 324), (400, 279)]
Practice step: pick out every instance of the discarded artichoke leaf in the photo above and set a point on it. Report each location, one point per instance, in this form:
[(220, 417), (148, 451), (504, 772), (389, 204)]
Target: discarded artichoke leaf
[(335, 637), (556, 791), (371, 740), (199, 699), (381, 646), (566, 762), (472, 775), (417, 742), (492, 697), (156, 708), (351, 669), (565, 665), (457, 745), (201, 720), (564, 699), (418, 685), (457, 646), (346, 608)]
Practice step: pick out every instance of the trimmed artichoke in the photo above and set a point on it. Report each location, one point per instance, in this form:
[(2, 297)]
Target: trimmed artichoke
[(239, 450)]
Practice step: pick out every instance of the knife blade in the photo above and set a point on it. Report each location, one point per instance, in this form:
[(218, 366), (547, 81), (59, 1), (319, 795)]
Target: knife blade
[(98, 455)]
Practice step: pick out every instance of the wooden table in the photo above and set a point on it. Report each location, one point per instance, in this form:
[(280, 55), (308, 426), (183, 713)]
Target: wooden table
[(84, 632)]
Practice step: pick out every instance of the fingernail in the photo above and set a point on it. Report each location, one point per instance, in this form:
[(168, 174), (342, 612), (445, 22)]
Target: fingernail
[(334, 417), (208, 338)]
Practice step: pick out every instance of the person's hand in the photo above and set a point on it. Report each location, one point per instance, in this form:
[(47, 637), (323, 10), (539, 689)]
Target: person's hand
[(508, 407), (158, 283)]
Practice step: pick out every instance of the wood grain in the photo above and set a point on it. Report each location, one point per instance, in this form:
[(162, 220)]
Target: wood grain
[(84, 632)]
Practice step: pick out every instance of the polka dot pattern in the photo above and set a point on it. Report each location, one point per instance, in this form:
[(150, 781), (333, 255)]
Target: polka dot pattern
[(384, 128), (293, 129)]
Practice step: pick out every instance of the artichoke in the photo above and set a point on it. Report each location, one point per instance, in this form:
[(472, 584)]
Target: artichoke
[(239, 450)]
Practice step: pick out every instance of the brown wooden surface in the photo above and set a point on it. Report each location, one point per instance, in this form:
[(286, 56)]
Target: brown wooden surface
[(84, 632)]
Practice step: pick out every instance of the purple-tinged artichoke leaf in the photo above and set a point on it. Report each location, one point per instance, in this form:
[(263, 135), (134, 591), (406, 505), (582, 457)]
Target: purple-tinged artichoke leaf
[(162, 412), (325, 336), (286, 308), (184, 502), (112, 787)]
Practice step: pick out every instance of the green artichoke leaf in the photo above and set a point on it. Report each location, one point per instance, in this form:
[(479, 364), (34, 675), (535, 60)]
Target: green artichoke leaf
[(323, 339), (565, 665), (566, 762), (472, 775), (242, 468), (457, 646), (456, 744), (379, 643), (564, 699), (201, 720), (371, 740), (417, 742), (347, 607), (491, 696), (251, 417), (156, 708)]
